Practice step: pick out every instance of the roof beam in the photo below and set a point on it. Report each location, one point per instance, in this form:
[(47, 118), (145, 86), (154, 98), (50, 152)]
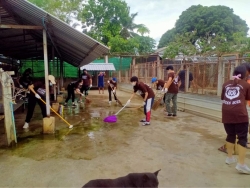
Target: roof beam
[(4, 26), (12, 36)]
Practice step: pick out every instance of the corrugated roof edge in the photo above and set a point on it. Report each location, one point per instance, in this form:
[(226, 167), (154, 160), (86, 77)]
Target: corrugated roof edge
[(63, 23)]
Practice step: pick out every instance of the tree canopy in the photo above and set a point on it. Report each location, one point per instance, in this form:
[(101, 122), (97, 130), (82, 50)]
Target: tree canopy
[(206, 21), (65, 10), (105, 19), (108, 21)]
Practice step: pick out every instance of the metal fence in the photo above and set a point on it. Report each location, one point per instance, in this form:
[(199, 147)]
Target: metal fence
[(206, 75)]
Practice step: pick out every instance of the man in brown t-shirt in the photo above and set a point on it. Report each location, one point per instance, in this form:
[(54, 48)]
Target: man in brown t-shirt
[(171, 88), (148, 97), (87, 83)]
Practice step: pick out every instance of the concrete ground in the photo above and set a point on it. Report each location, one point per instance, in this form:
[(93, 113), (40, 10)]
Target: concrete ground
[(185, 148)]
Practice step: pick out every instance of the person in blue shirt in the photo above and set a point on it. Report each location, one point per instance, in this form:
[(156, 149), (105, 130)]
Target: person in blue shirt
[(101, 82)]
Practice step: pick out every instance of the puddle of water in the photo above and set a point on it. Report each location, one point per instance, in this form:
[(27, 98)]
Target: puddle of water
[(89, 138)]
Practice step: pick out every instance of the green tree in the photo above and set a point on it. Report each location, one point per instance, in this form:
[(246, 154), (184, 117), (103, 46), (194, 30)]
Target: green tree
[(65, 10), (181, 45), (119, 45), (105, 19), (142, 29), (166, 38), (218, 20), (144, 45)]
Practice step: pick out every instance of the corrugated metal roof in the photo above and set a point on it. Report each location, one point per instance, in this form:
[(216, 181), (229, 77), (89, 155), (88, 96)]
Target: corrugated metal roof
[(73, 46), (99, 67)]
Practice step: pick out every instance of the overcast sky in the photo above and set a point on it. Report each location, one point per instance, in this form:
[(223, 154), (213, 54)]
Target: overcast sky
[(161, 15)]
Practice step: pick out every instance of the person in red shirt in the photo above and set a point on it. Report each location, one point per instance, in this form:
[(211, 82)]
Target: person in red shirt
[(87, 82), (235, 117), (171, 89), (159, 83), (159, 86), (148, 97)]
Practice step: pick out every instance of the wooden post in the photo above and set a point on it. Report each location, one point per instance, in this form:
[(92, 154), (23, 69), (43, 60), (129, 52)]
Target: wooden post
[(231, 69), (133, 67), (219, 83), (158, 67), (46, 71), (223, 71), (204, 77), (7, 99), (126, 77), (186, 78)]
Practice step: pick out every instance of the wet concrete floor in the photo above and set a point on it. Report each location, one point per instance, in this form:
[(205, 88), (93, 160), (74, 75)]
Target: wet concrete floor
[(184, 148)]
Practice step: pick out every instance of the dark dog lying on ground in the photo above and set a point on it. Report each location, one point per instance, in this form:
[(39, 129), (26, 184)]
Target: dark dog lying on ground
[(131, 180)]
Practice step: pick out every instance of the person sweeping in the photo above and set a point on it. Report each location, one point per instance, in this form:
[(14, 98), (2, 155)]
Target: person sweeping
[(37, 92), (235, 117), (72, 87), (112, 89), (148, 97), (159, 85)]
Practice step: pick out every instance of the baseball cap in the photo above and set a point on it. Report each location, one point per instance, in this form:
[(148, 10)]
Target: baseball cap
[(52, 79)]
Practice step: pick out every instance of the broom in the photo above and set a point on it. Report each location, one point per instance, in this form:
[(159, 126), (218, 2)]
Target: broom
[(157, 103), (86, 98)]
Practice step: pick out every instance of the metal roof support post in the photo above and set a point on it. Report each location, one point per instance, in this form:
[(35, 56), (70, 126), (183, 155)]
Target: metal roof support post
[(61, 73), (106, 59), (46, 71)]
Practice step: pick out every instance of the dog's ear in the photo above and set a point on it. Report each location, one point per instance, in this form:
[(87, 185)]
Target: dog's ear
[(145, 177), (156, 173)]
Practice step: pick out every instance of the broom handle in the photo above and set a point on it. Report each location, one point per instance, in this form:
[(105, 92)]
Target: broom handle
[(121, 109), (56, 113)]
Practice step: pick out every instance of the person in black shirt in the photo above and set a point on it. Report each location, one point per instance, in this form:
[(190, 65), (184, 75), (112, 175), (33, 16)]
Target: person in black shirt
[(182, 75), (37, 91), (72, 87)]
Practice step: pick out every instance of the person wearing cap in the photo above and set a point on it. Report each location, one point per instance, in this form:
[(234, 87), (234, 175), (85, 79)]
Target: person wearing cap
[(159, 85), (37, 91), (147, 94), (112, 89), (87, 83), (72, 87), (170, 89)]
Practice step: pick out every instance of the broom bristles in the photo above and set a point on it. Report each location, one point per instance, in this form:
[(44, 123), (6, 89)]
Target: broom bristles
[(119, 102), (156, 104), (87, 100)]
